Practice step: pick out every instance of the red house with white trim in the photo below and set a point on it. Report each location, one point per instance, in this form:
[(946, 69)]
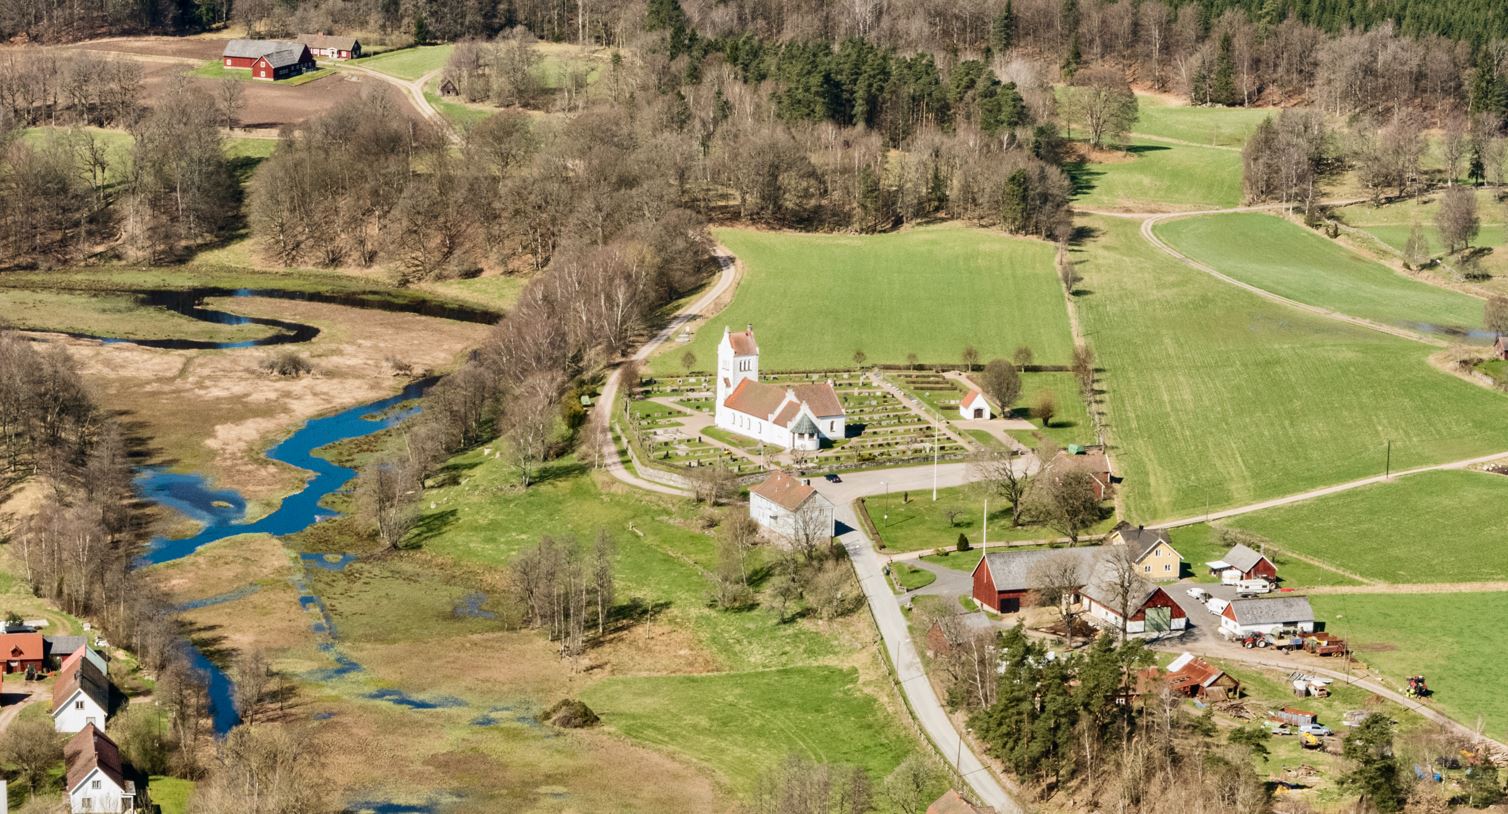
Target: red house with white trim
[(268, 59)]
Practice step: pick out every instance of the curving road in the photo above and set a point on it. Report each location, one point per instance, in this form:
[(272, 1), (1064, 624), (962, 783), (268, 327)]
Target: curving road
[(414, 91), (895, 634)]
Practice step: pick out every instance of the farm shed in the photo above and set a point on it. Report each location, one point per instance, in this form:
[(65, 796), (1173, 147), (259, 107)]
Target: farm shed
[(1091, 460), (1267, 616), (1003, 578), (268, 59), (1191, 676), (1246, 563), (332, 47), (23, 650)]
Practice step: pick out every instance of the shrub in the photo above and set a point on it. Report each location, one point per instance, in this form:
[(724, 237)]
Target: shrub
[(571, 714), (286, 363), (963, 542)]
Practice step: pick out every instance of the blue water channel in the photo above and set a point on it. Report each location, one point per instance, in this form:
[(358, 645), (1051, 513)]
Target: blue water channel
[(222, 513)]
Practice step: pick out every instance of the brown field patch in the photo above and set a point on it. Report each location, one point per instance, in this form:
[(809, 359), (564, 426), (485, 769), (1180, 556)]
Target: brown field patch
[(281, 627), (215, 412), (388, 753), (225, 566), (195, 48)]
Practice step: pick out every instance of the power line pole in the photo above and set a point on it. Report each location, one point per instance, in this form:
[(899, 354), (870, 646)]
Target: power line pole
[(934, 462), (1387, 471)]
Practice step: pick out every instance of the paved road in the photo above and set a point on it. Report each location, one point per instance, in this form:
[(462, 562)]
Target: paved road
[(925, 706)]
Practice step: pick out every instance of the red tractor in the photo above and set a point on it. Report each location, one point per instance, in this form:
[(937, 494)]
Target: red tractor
[(1417, 688), (1253, 640)]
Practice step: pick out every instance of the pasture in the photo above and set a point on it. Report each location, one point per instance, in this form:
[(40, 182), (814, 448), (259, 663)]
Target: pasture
[(1442, 636), (1434, 527), (744, 724), (1206, 126), (1218, 398), (1158, 176), (408, 63), (1201, 543), (1391, 223), (932, 291), (1314, 270), (914, 522)]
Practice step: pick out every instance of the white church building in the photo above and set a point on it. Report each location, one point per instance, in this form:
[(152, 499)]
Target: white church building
[(796, 417)]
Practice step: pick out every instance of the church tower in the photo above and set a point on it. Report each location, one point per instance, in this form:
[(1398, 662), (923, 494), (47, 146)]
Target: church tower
[(737, 359)]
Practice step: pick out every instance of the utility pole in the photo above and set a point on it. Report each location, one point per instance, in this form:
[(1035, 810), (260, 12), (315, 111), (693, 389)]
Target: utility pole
[(986, 525), (1387, 472), (934, 462)]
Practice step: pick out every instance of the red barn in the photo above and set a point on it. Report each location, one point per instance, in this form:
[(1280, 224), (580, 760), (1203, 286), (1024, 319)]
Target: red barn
[(22, 650), (268, 59), (1246, 563), (1003, 578)]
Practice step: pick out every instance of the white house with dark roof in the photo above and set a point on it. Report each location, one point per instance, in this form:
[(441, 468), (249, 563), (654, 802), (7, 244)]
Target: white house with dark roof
[(96, 776), (795, 417), (791, 509), (1268, 616), (81, 695)]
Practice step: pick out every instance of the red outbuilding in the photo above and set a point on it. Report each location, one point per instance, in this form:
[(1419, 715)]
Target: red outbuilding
[(268, 59), (22, 650)]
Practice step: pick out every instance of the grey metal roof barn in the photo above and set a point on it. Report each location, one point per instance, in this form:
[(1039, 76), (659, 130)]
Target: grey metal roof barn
[(251, 49), (284, 58), (1014, 570), (1242, 558), (1277, 611)]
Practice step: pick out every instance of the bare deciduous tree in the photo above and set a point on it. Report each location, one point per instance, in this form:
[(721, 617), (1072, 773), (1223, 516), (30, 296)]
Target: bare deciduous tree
[(1001, 383), (1457, 219), (1005, 474), (1055, 583)]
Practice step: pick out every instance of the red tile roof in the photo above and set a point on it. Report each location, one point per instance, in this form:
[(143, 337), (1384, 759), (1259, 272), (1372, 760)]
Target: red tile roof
[(969, 399), (762, 400), (90, 750), (821, 398), (784, 491), (743, 342), (755, 398), (21, 646)]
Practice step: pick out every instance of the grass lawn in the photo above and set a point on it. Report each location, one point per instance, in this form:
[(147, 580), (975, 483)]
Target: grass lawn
[(910, 578), (215, 69), (493, 291), (482, 521), (1440, 635), (957, 560), (1216, 397), (1213, 126), (1070, 425), (408, 63), (1158, 176), (815, 299), (1391, 224), (1434, 527), (1314, 270), (922, 524), (170, 794), (743, 724), (458, 113)]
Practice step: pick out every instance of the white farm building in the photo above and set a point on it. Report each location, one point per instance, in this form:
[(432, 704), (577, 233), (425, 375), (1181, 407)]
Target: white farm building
[(1267, 616), (795, 417)]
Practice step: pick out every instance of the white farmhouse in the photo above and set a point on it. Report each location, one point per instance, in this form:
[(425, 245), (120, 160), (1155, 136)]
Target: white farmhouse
[(975, 405), (791, 509), (81, 696), (1268, 616), (796, 417), (96, 777)]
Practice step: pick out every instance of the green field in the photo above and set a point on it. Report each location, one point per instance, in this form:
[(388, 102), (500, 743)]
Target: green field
[(408, 63), (1158, 176), (1070, 425), (1217, 397), (1434, 527), (1211, 126), (1199, 544), (743, 724), (1442, 636), (914, 522), (815, 299), (1300, 264), (1391, 224), (110, 315)]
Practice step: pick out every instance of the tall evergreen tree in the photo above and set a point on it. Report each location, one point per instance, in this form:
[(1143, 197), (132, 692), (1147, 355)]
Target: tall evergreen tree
[(1003, 29)]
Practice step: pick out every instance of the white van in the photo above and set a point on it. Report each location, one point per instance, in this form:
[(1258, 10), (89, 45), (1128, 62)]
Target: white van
[(1216, 605)]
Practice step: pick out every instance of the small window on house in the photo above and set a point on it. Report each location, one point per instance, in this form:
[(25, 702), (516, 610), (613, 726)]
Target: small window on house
[(96, 785), (86, 803), (78, 704), (1167, 566)]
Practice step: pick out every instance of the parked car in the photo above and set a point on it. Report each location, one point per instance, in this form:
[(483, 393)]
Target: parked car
[(1199, 594), (1319, 730), (832, 477)]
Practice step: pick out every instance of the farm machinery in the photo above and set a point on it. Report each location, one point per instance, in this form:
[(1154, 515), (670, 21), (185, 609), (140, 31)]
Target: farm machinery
[(1417, 688)]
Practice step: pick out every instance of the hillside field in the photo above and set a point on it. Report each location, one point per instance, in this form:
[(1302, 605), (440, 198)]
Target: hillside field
[(1159, 176), (1314, 270), (1217, 397), (815, 299), (1439, 635), (1434, 527)]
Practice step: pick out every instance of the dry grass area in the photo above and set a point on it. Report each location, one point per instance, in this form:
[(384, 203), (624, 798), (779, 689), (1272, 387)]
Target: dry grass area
[(215, 411)]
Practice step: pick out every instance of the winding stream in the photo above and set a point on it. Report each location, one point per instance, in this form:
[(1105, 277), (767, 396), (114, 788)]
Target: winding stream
[(222, 512), (190, 303)]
